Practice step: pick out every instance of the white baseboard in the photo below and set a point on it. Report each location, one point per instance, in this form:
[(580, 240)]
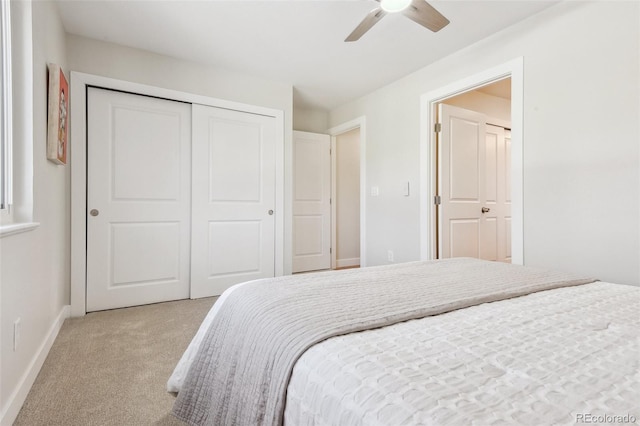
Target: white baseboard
[(345, 263), (19, 395)]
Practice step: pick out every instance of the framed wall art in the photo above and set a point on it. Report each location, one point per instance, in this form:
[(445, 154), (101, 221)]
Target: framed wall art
[(58, 118)]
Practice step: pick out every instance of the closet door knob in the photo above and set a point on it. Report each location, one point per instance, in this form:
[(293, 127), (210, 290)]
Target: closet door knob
[(270, 212), (94, 212), (486, 210)]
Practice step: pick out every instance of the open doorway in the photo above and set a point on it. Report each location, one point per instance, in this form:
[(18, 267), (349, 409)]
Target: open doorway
[(350, 135), (473, 174), (428, 153), (345, 191)]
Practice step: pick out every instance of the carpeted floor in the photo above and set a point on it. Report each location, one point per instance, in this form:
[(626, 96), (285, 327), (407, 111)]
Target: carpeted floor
[(111, 367)]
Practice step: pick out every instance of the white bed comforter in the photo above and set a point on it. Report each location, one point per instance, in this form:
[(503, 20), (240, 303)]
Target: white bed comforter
[(543, 359), (174, 384)]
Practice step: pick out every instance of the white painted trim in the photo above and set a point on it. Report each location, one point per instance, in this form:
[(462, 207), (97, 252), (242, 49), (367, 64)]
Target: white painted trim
[(22, 148), (78, 152), (334, 210), (144, 89), (287, 204), (282, 263), (17, 228), (346, 263), (78, 160), (6, 83), (428, 101), (360, 122), (19, 395)]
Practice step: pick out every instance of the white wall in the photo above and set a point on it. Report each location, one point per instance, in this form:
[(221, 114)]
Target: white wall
[(581, 150), (348, 198), (139, 66), (35, 265), (310, 120)]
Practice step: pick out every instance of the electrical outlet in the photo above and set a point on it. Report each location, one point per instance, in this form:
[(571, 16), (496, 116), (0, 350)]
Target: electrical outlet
[(390, 255), (16, 334)]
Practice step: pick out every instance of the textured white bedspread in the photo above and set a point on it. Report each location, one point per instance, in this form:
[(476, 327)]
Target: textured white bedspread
[(241, 372), (541, 359)]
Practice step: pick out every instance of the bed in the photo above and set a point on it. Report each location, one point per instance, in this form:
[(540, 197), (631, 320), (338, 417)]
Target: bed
[(458, 341)]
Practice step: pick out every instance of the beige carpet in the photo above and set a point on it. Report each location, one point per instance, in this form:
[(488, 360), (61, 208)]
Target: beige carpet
[(111, 367)]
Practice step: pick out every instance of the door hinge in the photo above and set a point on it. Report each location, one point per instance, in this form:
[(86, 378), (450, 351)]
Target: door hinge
[(437, 200), (330, 201), (437, 128), (330, 250)]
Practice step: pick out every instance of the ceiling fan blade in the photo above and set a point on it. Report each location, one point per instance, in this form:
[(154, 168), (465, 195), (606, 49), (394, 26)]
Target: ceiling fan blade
[(426, 15), (369, 21)]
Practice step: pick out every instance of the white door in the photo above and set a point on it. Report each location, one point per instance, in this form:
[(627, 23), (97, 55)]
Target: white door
[(504, 246), (138, 199), (233, 220), (496, 222), (461, 154), (474, 214), (311, 202)]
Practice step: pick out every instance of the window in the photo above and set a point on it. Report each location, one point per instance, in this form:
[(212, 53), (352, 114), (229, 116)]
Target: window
[(5, 109)]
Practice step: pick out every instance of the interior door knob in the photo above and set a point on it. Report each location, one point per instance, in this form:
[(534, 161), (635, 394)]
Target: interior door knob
[(94, 212), (270, 212), (486, 210)]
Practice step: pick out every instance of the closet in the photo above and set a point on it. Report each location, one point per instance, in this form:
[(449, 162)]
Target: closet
[(181, 199)]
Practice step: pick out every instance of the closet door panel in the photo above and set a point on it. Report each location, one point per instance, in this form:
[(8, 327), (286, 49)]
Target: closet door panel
[(138, 199), (233, 199)]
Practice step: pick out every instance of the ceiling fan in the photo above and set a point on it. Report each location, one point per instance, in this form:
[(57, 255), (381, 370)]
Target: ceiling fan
[(417, 10)]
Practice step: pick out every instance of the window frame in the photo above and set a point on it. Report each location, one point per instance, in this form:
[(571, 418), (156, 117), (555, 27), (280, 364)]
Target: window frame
[(5, 115)]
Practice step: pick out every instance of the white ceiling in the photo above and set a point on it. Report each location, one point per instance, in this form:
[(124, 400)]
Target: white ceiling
[(298, 42), (501, 89)]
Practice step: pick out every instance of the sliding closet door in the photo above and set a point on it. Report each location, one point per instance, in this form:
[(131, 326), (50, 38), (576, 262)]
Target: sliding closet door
[(138, 199), (233, 199)]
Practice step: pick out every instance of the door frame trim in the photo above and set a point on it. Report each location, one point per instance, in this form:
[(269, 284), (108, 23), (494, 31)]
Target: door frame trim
[(428, 108), (359, 122), (78, 149)]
